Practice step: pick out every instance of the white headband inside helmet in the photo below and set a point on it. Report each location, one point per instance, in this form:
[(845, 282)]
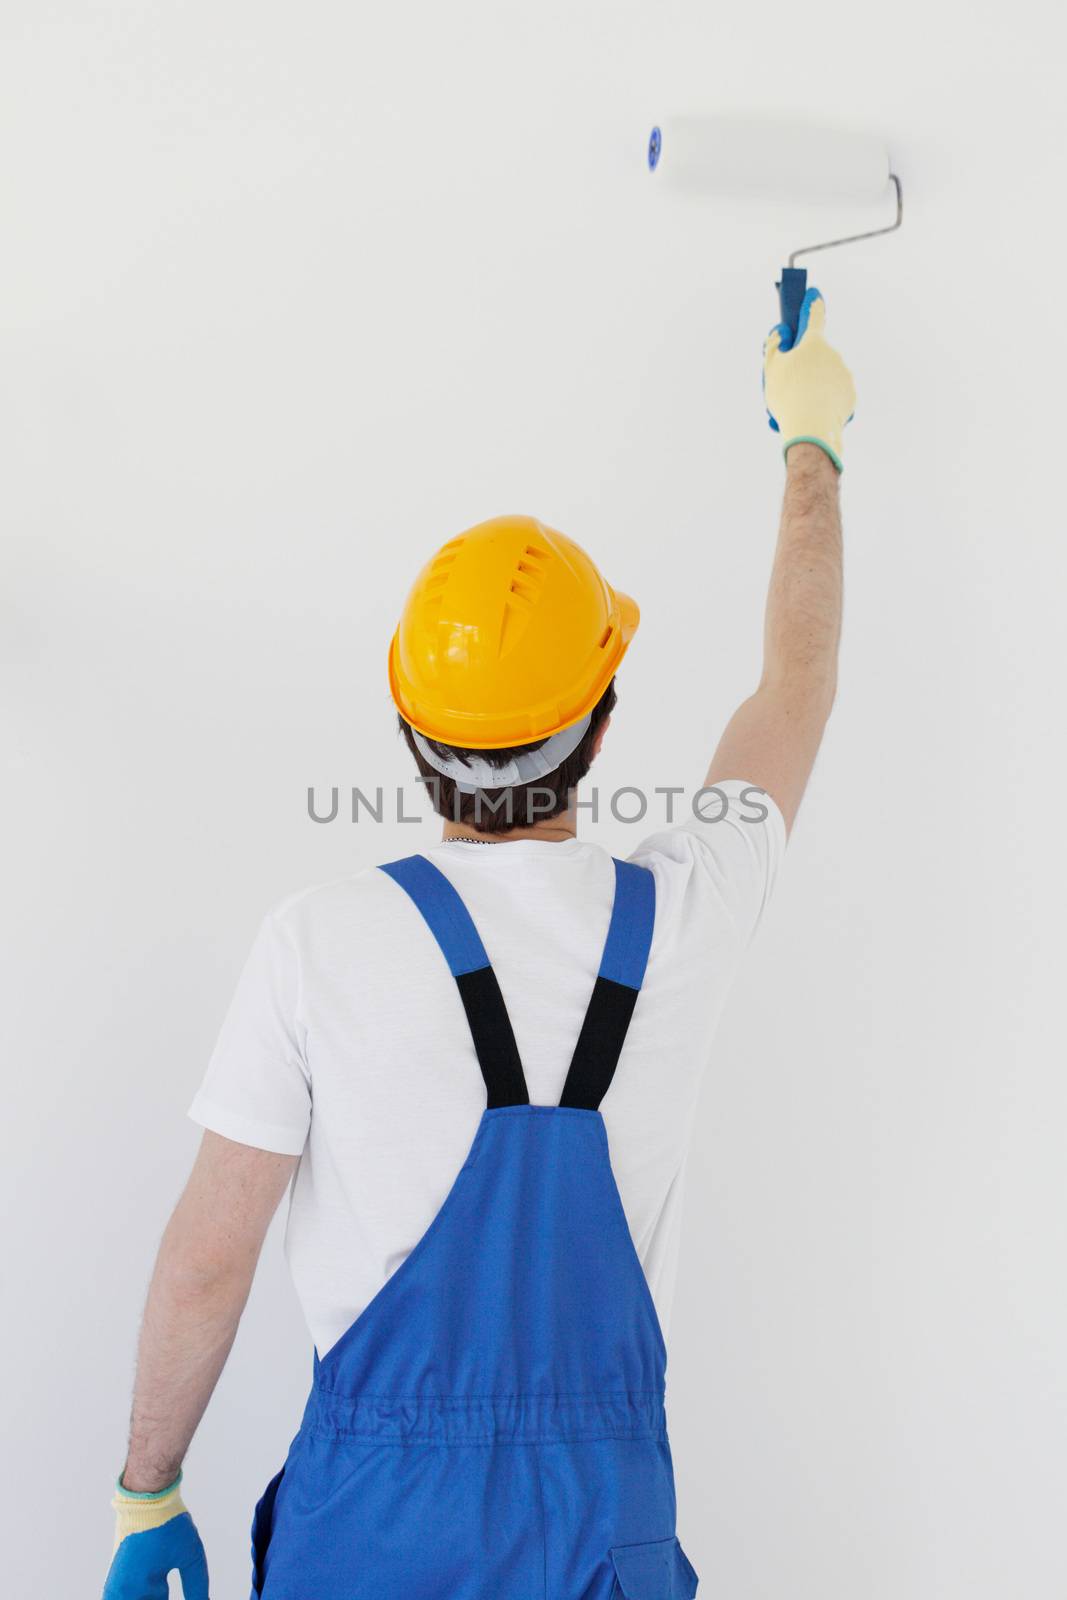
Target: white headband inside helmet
[(471, 773)]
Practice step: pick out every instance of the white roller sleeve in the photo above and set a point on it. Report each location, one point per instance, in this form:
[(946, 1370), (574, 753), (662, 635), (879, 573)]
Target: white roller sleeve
[(767, 158)]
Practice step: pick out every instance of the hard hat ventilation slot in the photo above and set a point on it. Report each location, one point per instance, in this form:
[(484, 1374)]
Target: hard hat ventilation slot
[(443, 560), (529, 575), (605, 636), (440, 571), (538, 554)]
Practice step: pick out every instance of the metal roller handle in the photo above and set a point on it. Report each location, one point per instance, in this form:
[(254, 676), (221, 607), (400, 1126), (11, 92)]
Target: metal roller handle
[(853, 238)]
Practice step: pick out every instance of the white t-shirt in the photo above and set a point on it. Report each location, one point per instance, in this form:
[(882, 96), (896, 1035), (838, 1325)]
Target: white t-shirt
[(346, 1042)]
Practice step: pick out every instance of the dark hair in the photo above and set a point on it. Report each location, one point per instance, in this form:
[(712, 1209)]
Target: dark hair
[(503, 810)]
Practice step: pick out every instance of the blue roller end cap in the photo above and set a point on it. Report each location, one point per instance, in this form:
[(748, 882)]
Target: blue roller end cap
[(655, 147)]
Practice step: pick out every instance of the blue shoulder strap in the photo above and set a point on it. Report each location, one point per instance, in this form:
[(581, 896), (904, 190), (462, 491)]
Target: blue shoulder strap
[(633, 916), (444, 912), (611, 1005), (453, 927)]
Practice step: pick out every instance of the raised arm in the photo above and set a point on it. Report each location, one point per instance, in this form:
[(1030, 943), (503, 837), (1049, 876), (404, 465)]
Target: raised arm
[(774, 736)]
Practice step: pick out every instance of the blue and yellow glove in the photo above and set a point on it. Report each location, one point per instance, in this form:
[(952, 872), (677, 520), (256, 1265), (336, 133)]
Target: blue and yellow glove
[(807, 388), (154, 1534)]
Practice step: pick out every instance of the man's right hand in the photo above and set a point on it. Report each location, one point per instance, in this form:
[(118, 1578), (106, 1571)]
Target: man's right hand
[(154, 1534), (808, 390)]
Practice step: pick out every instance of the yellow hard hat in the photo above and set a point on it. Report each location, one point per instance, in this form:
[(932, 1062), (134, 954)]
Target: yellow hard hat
[(509, 634)]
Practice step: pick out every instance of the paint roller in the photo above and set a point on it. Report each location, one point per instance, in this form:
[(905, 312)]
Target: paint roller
[(784, 161)]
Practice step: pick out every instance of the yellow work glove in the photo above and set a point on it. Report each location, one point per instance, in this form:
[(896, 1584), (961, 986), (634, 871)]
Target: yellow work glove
[(154, 1535), (807, 389)]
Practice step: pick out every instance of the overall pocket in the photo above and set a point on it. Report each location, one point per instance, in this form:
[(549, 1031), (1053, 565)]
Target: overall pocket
[(262, 1524), (657, 1571)]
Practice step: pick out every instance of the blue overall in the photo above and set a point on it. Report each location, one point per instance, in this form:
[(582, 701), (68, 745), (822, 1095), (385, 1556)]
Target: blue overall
[(491, 1426)]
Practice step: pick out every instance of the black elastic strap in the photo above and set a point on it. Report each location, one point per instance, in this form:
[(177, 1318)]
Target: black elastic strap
[(494, 1038), (596, 1055)]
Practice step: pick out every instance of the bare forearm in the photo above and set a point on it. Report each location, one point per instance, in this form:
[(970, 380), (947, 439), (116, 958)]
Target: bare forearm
[(802, 628), (189, 1326), (772, 739), (203, 1273)]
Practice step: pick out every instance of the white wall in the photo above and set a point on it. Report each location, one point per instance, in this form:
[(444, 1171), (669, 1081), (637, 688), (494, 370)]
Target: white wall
[(290, 294)]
